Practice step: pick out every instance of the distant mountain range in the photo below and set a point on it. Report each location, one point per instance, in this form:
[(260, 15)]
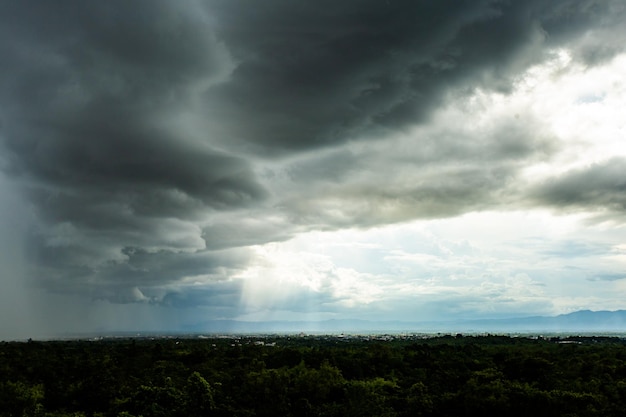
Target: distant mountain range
[(584, 321)]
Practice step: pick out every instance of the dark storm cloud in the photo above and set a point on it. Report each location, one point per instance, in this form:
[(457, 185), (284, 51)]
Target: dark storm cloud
[(146, 52), (137, 275), (315, 74), (89, 94), (138, 131), (601, 186), (150, 177), (85, 103)]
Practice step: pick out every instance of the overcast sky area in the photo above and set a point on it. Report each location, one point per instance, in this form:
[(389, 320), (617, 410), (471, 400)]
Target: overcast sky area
[(165, 163)]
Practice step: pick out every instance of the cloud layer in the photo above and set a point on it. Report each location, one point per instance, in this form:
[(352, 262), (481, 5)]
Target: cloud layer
[(158, 144)]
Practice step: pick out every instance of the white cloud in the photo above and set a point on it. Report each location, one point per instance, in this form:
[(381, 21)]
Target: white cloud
[(486, 262)]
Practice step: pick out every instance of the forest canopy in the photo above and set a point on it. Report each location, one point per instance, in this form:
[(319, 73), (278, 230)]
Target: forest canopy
[(315, 376)]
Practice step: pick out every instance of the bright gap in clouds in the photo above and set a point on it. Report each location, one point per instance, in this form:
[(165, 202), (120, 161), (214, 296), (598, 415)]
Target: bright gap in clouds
[(583, 107), (507, 261), (479, 265)]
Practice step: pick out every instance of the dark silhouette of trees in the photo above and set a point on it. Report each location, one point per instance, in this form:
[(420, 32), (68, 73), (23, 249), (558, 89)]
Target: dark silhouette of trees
[(314, 376)]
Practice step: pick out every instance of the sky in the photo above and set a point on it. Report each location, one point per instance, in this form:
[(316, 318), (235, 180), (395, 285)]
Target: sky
[(166, 163)]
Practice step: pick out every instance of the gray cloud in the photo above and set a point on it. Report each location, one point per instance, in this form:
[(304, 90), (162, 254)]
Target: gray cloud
[(316, 75), (601, 186), (247, 229), (152, 138), (130, 274), (608, 277), (575, 249), (429, 174), (90, 94)]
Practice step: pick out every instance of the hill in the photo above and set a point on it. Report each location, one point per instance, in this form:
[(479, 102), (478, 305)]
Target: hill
[(580, 321)]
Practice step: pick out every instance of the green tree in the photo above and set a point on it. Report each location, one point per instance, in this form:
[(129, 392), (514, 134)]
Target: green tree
[(370, 398), (18, 399), (199, 396)]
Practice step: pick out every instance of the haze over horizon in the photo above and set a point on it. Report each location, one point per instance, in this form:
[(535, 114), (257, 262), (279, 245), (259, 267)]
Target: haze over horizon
[(166, 163)]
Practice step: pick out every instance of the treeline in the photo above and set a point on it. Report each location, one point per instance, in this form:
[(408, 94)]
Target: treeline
[(446, 376)]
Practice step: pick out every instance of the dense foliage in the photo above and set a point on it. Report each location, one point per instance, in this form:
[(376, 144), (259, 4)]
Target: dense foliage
[(314, 376)]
